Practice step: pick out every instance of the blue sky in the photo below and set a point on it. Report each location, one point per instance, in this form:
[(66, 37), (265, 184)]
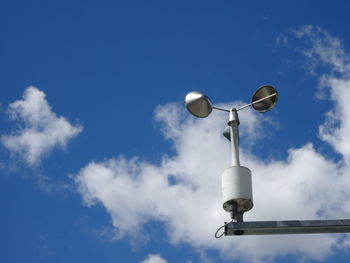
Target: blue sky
[(100, 162)]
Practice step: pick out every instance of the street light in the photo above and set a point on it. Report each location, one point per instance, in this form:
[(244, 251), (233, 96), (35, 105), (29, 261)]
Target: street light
[(236, 180)]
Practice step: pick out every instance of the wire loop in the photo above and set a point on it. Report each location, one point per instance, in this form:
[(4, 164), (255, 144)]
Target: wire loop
[(223, 233), (217, 231)]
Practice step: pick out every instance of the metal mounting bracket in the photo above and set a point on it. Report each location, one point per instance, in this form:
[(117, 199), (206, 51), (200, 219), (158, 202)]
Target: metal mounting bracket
[(287, 227)]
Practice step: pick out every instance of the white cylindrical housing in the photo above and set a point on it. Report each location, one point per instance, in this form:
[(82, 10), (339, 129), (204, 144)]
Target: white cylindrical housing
[(237, 188)]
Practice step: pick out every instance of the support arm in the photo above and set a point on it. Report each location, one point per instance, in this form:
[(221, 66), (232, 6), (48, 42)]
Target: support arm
[(287, 227)]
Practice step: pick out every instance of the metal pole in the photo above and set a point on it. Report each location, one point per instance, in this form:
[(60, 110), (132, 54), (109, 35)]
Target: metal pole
[(234, 133), (287, 227)]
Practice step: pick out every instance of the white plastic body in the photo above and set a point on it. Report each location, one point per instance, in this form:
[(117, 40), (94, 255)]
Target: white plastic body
[(237, 188)]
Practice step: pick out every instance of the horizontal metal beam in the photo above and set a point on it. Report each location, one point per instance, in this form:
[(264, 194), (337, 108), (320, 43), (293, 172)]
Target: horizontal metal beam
[(287, 227)]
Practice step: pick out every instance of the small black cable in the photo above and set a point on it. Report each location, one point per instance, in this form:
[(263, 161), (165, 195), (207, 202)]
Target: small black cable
[(223, 233)]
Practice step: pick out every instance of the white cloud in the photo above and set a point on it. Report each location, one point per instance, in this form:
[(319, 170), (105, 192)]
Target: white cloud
[(40, 130), (154, 258), (324, 49), (184, 192)]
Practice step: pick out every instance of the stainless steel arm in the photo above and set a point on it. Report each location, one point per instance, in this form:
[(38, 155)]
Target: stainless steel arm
[(287, 227)]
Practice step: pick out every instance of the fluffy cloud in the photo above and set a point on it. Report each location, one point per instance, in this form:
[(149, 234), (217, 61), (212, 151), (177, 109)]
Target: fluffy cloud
[(40, 129), (183, 191), (325, 50), (154, 258)]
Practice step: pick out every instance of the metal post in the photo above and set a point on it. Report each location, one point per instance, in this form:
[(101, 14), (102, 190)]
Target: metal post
[(287, 227), (234, 133)]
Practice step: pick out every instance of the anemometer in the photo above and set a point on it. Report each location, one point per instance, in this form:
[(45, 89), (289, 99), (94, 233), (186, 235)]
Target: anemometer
[(237, 196)]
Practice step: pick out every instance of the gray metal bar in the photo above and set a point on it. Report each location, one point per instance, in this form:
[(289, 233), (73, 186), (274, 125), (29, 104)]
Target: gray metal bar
[(250, 104), (287, 227), (217, 108)]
